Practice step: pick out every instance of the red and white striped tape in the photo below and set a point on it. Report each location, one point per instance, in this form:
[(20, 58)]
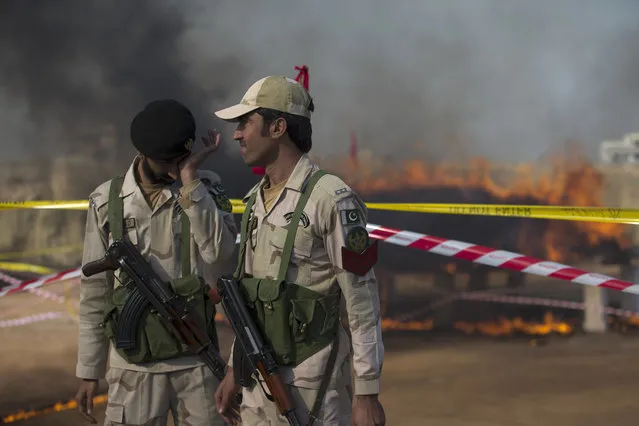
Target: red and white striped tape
[(31, 319), (9, 279), (450, 248), (48, 295), (12, 281), (497, 258), (537, 301), (38, 282)]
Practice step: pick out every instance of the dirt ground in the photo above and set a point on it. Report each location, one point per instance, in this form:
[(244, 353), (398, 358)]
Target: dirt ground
[(428, 379)]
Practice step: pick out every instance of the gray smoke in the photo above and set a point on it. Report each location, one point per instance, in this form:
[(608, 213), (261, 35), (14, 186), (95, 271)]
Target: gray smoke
[(71, 67), (508, 78)]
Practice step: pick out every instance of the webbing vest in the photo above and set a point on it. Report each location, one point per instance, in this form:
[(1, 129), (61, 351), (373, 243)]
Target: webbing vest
[(154, 341), (295, 321)]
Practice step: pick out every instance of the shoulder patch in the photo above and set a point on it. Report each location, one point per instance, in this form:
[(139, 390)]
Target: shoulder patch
[(222, 202), (342, 191), (217, 188), (360, 263), (357, 239), (350, 217), (217, 191)]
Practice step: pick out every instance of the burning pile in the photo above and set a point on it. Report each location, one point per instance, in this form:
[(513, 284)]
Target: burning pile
[(559, 181), (506, 327), (55, 408)]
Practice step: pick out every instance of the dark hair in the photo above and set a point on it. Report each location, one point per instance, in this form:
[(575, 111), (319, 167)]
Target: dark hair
[(299, 128)]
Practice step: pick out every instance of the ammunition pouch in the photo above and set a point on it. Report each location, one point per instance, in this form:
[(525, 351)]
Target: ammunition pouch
[(155, 341), (295, 321)]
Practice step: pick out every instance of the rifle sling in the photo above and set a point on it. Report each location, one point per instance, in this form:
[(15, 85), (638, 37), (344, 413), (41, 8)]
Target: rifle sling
[(116, 217), (306, 189)]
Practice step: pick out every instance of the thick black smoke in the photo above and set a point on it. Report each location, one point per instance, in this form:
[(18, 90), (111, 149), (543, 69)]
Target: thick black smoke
[(509, 80), (70, 68)]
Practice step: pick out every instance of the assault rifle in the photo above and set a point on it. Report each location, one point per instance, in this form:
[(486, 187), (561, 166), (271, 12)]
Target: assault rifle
[(150, 289), (254, 350)]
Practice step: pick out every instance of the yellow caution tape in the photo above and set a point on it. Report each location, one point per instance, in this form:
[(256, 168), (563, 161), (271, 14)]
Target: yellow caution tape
[(59, 205), (49, 250), (26, 267), (50, 205), (583, 214)]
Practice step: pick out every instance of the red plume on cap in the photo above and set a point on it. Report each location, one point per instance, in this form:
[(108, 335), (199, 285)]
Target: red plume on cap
[(302, 77)]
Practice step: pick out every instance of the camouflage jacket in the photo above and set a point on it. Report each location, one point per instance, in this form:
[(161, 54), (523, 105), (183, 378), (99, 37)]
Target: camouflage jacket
[(316, 262), (155, 233)]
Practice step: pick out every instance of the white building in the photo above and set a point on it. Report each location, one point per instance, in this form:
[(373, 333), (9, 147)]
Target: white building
[(624, 151)]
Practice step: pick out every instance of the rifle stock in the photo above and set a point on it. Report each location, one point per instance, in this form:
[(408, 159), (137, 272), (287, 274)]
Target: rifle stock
[(278, 389), (174, 310), (253, 346)]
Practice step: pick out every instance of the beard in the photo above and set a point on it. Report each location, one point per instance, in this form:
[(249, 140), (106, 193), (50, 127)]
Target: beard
[(154, 176)]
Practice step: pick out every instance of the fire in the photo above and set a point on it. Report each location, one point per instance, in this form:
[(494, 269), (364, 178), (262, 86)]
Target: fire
[(450, 268), (57, 407), (503, 327), (391, 324), (506, 327), (624, 324), (571, 180)]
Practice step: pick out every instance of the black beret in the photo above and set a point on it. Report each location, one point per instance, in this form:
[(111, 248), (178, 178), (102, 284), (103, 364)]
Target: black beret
[(162, 130)]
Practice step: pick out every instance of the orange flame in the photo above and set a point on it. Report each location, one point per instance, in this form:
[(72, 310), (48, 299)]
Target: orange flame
[(57, 407), (507, 327), (561, 180), (391, 324)]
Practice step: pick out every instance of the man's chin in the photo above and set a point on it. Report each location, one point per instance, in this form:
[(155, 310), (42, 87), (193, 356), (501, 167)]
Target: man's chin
[(164, 180)]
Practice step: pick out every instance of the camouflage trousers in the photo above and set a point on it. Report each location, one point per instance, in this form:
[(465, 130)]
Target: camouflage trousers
[(140, 398), (257, 410)]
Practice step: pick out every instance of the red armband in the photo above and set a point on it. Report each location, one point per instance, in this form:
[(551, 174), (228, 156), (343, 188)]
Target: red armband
[(359, 263)]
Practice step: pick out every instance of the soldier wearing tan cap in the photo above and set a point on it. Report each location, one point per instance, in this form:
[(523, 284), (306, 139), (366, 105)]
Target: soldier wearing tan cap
[(180, 220), (308, 229)]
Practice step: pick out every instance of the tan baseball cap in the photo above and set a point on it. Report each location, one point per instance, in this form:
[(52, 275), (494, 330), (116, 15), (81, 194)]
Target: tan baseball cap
[(275, 92)]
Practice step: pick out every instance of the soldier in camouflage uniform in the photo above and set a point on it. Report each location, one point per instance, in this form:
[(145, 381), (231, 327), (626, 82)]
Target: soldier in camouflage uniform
[(153, 208), (330, 260)]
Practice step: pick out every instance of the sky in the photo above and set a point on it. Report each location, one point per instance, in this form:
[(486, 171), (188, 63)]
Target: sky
[(502, 79)]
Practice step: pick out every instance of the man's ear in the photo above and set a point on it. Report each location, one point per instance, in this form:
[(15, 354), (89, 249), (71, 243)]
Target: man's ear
[(278, 128)]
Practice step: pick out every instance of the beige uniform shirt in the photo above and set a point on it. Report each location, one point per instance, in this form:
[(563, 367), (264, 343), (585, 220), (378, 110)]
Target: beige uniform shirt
[(157, 234), (316, 263)]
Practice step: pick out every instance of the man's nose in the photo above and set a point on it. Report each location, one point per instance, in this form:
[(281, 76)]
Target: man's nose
[(237, 135)]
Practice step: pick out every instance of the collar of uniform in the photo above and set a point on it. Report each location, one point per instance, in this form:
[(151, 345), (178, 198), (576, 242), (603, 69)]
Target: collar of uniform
[(130, 185), (303, 167), (253, 189), (295, 180)]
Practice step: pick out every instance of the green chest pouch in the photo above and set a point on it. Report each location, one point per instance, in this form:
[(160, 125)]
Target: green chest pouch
[(297, 322), (155, 342)]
